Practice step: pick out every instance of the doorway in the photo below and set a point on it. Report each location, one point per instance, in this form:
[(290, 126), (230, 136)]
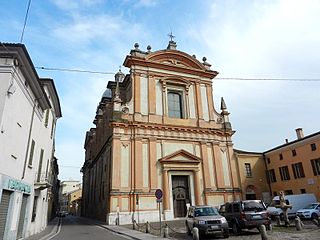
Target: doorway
[(181, 195)]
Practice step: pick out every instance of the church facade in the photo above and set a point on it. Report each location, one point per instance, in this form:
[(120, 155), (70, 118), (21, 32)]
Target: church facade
[(157, 128)]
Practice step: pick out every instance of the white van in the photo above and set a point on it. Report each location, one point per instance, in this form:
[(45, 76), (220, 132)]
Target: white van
[(297, 201)]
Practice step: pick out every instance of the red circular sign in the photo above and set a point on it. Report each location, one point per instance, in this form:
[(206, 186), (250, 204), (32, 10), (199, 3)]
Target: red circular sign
[(158, 193)]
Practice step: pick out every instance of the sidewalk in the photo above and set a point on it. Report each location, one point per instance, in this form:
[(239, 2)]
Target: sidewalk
[(125, 231), (49, 230)]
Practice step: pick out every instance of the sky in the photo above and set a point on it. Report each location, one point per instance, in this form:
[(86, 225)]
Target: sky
[(241, 39)]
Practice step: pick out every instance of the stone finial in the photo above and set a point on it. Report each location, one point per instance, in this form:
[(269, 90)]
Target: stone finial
[(136, 46), (223, 105), (194, 56), (204, 59), (149, 48)]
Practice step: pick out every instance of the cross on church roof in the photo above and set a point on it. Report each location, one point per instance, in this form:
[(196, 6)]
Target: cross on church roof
[(171, 36)]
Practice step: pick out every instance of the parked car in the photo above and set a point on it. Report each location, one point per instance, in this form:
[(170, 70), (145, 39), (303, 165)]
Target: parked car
[(297, 201), (207, 219), (311, 211), (247, 214)]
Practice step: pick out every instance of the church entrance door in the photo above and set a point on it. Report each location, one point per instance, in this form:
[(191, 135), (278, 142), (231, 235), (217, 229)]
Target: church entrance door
[(181, 195)]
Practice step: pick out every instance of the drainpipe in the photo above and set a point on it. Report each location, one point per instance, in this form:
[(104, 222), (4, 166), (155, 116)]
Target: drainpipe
[(29, 137), (267, 175)]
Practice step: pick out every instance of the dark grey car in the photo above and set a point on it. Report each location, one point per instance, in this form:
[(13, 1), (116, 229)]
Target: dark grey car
[(245, 214), (208, 220)]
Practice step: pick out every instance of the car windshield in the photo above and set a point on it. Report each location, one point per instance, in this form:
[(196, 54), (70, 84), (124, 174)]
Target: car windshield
[(311, 206), (253, 206), (207, 211)]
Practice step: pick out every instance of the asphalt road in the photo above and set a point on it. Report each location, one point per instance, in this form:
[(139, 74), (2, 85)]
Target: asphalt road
[(76, 228)]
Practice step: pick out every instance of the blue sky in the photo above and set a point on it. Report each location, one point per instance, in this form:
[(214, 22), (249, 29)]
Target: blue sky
[(249, 39)]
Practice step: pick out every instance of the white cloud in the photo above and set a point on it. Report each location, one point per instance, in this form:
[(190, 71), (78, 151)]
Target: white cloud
[(75, 4)]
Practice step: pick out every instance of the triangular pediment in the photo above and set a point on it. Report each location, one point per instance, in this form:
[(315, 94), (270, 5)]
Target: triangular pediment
[(180, 156)]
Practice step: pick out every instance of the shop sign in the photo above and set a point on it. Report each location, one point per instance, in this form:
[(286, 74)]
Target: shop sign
[(18, 186)]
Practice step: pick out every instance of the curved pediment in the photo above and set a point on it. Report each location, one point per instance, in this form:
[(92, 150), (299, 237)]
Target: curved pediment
[(180, 156), (176, 58)]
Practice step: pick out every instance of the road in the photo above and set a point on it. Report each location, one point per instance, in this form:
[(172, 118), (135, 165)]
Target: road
[(76, 228)]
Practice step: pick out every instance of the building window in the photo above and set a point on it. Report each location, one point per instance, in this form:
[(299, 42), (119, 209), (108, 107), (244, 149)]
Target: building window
[(302, 190), (271, 176), (46, 120), (280, 156), (297, 169), (284, 173), (248, 171), (294, 152), (288, 192), (175, 104), (268, 160), (315, 163), (313, 147), (31, 153)]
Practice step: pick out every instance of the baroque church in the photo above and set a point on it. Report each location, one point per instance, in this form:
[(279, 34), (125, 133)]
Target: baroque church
[(157, 128)]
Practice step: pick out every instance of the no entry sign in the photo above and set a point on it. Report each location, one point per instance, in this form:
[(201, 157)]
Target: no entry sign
[(158, 194)]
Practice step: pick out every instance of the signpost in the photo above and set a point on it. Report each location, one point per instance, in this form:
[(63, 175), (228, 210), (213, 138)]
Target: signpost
[(159, 195)]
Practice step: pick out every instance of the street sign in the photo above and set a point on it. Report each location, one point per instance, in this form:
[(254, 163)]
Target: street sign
[(159, 200), (158, 194)]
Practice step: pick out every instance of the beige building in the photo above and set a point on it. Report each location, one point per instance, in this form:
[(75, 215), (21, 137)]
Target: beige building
[(294, 167), (252, 174), (157, 128), (74, 199)]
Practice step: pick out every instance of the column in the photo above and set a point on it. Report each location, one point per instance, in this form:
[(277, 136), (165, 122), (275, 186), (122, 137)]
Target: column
[(197, 192), (166, 192)]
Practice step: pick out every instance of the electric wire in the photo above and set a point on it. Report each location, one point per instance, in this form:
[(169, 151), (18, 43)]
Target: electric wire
[(25, 21), (217, 78)]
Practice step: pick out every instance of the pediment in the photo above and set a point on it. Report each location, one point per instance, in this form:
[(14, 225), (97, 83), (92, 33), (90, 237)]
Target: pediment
[(176, 58), (180, 156)]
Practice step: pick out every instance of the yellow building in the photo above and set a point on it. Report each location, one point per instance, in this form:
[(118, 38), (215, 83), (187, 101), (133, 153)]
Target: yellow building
[(74, 199), (251, 168), (294, 167), (157, 128)]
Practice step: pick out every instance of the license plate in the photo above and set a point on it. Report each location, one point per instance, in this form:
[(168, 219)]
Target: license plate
[(214, 227), (256, 217)]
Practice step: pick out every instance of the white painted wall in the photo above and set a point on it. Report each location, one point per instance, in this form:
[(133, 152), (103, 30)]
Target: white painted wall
[(192, 105), (204, 101), (16, 111), (159, 100), (144, 100)]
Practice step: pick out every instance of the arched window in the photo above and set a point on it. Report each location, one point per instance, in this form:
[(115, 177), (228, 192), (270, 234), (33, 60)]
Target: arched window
[(175, 105)]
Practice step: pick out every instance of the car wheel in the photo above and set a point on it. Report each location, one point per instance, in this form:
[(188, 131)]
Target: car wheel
[(235, 228), (188, 229), (281, 217), (314, 216), (268, 227)]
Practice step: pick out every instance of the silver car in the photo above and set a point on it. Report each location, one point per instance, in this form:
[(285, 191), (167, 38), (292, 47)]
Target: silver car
[(208, 220)]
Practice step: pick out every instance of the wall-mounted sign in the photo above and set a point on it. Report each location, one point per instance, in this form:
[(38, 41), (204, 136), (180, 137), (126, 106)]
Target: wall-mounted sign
[(18, 186)]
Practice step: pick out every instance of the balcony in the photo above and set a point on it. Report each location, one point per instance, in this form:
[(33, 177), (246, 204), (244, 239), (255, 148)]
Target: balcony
[(41, 181)]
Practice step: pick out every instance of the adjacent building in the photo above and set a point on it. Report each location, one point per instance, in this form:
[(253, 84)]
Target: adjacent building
[(75, 198), (157, 128), (251, 171), (67, 187), (29, 110), (294, 167)]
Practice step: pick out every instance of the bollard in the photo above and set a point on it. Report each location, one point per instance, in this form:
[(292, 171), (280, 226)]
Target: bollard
[(134, 227), (166, 231), (278, 220), (147, 227), (263, 232), (297, 222), (195, 233)]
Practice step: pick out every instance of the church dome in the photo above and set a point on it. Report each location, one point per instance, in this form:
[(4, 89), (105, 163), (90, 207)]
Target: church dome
[(107, 93)]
